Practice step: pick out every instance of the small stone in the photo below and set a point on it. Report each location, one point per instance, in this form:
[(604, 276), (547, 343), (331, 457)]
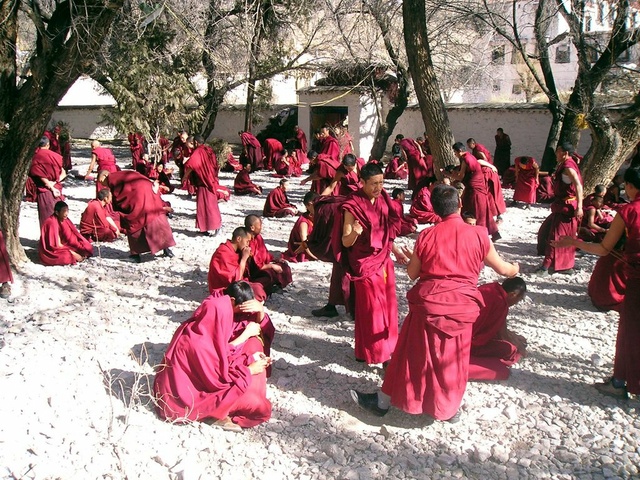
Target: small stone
[(281, 364), (301, 420), (482, 454), (287, 344), (384, 431)]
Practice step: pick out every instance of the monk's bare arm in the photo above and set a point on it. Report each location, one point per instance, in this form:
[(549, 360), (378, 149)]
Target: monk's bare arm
[(459, 175), (495, 261), (310, 178), (351, 229), (603, 248), (573, 175), (413, 269), (94, 157), (484, 163)]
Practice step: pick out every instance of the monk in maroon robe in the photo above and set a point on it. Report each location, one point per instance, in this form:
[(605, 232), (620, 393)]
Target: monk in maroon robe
[(407, 222), (502, 156), (103, 157), (273, 274), (54, 139), (323, 170), (429, 368), (329, 146), (277, 203), (608, 282), (369, 227), (202, 168), (60, 241), (208, 375), (6, 277), (47, 174), (491, 176), (596, 221), (566, 214), (475, 199), (144, 215), (396, 169), (95, 223), (301, 138), (273, 151), (421, 207), (415, 162), (232, 164), (138, 147), (288, 165), (179, 151), (229, 263), (527, 180), (346, 179), (544, 192), (495, 348), (297, 248), (242, 185), (252, 150)]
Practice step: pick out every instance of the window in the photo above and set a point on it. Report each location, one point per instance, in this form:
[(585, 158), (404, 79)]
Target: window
[(516, 89), (563, 54), (496, 86), (497, 55), (588, 24), (601, 13)]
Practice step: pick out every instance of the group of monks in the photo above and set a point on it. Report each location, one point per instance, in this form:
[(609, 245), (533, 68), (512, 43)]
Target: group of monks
[(455, 331)]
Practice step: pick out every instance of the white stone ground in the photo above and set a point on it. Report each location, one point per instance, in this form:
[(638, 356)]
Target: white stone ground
[(78, 345)]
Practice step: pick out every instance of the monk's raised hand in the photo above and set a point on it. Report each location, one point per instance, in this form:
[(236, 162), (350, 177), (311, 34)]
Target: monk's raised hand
[(357, 227), (251, 306), (246, 252)]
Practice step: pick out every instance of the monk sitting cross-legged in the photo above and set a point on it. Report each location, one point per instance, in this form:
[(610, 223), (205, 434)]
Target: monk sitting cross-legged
[(277, 204), (213, 371), (243, 185), (298, 250), (60, 241), (96, 223)]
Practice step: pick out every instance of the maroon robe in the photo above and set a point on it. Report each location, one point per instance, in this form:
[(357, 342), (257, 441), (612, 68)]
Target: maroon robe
[(105, 159), (204, 376), (349, 181), (509, 178), (407, 223), (253, 149), (58, 239), (231, 165), (395, 170), (370, 269), (494, 188), (415, 162), (48, 165), (277, 204), (273, 151), (608, 283), (295, 238), (301, 137), (479, 148), (260, 257), (224, 269), (421, 208), (475, 198), (491, 356), (325, 168), (330, 147), (526, 182), (136, 145), (143, 214), (502, 156), (204, 175), (54, 143), (544, 192), (242, 185), (429, 368), (94, 224), (5, 266), (562, 220), (288, 165), (600, 218)]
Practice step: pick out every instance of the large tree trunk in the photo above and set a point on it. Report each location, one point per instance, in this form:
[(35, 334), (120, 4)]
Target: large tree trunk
[(391, 120), (64, 51), (434, 114), (548, 162), (248, 111)]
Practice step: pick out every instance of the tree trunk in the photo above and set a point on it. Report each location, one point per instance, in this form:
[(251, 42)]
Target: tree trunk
[(248, 111), (385, 130), (434, 114), (548, 162)]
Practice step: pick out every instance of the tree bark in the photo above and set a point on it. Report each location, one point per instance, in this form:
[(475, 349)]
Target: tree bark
[(434, 114)]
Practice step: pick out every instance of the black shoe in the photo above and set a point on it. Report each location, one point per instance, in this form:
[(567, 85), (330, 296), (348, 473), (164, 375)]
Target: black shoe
[(326, 311), (455, 418), (135, 257), (607, 388), (368, 402), (168, 253), (495, 237)]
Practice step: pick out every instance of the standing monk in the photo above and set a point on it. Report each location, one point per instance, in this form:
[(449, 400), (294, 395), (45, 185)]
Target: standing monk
[(104, 157), (527, 180), (329, 146), (301, 138), (415, 163), (369, 227), (273, 151), (202, 168), (144, 216), (252, 149), (566, 214), (502, 155), (47, 173), (491, 176), (429, 369), (6, 277)]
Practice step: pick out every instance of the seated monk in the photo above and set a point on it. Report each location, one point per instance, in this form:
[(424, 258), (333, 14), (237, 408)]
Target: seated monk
[(229, 263), (231, 165), (297, 248), (277, 204), (6, 277), (60, 241), (96, 223), (421, 208), (273, 274), (613, 198), (544, 192), (598, 191), (494, 348), (243, 185), (214, 371), (407, 223), (397, 169), (595, 222), (288, 164)]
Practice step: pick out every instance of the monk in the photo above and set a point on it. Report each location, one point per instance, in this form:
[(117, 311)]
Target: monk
[(60, 241), (273, 274), (502, 155), (544, 192), (202, 168), (252, 150), (495, 348), (396, 169), (323, 170), (421, 207), (96, 224), (180, 151), (242, 185), (596, 221), (138, 146), (301, 138), (527, 180), (490, 172), (229, 263), (54, 139), (297, 248), (626, 364), (103, 157), (47, 173), (277, 203), (346, 179), (288, 165), (209, 374), (475, 199), (429, 368), (273, 151), (608, 282), (407, 223), (415, 161), (566, 214), (6, 277), (329, 146), (144, 215), (369, 226)]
